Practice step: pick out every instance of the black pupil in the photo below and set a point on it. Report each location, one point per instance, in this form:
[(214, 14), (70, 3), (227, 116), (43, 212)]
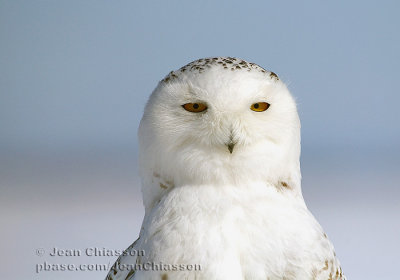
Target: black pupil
[(196, 106), (256, 106)]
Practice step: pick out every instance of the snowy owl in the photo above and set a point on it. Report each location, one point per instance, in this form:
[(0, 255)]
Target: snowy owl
[(219, 146)]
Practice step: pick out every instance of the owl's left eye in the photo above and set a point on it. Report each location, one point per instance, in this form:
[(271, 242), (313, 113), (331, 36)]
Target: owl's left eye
[(260, 106), (195, 107)]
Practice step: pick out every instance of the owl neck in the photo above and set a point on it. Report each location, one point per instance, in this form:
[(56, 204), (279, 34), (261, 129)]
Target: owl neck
[(160, 178)]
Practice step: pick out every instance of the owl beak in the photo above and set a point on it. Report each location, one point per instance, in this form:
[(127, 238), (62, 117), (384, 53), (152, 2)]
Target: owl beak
[(230, 145)]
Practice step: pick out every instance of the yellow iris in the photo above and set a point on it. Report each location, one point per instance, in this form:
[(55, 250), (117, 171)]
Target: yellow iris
[(259, 106)]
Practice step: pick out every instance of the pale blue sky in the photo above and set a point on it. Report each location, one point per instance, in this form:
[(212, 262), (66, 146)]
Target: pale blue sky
[(78, 73)]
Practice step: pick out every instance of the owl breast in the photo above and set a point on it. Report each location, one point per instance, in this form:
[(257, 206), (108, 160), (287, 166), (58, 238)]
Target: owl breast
[(233, 232)]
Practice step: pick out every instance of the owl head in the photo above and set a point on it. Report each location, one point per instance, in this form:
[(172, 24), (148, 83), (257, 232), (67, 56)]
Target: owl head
[(221, 120)]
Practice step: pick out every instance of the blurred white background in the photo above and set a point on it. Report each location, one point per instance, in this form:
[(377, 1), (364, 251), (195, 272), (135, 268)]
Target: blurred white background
[(74, 79)]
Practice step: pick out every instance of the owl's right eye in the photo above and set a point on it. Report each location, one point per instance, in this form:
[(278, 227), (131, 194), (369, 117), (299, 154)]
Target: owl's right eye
[(259, 106), (195, 107)]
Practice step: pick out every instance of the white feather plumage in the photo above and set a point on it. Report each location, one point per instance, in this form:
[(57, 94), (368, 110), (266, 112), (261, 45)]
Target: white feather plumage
[(239, 215)]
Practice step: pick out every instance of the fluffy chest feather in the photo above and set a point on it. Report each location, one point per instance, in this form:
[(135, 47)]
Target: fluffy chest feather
[(234, 232)]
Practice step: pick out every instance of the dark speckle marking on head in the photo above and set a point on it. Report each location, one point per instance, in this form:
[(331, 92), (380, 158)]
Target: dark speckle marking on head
[(200, 65), (164, 277), (273, 75)]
